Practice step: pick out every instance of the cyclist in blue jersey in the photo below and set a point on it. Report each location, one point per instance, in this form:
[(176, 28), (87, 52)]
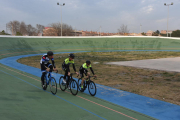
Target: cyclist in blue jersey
[(65, 67), (84, 70), (44, 63)]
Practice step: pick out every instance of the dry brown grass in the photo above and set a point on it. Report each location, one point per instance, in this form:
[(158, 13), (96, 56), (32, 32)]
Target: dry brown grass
[(156, 84)]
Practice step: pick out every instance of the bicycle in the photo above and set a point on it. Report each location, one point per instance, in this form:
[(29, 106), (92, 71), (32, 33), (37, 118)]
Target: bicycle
[(71, 82), (90, 84), (51, 81)]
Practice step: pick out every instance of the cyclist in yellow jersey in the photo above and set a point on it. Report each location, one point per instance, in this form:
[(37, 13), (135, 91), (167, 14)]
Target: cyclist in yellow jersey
[(83, 70), (65, 66)]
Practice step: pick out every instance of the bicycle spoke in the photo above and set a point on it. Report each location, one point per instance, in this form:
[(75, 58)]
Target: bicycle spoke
[(92, 88), (74, 87), (62, 85), (53, 85)]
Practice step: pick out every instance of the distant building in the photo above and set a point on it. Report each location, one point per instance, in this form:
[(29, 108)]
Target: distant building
[(135, 34), (91, 33), (163, 31), (49, 31), (149, 33)]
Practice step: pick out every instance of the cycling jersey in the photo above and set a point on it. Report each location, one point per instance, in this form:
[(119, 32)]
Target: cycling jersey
[(84, 68), (45, 60), (66, 64)]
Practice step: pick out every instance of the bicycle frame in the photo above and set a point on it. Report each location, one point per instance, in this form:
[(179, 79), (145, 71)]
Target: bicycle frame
[(86, 83), (71, 83), (71, 77), (50, 76), (48, 79)]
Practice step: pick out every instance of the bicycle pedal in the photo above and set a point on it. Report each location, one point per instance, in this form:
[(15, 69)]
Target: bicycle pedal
[(82, 90)]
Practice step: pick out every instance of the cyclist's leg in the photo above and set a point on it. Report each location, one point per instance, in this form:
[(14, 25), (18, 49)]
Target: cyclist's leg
[(42, 77), (43, 70), (87, 74), (66, 70), (82, 72), (68, 75), (82, 77)]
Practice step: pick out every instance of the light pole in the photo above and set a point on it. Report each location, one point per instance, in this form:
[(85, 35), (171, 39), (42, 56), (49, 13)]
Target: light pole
[(100, 30), (75, 30), (140, 28), (168, 15), (61, 16)]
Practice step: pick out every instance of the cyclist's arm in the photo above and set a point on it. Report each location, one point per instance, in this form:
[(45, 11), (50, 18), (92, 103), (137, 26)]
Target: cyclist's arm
[(42, 62), (74, 67), (53, 63), (92, 70)]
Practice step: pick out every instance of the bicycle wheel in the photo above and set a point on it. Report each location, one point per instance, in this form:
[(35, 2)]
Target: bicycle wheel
[(61, 84), (92, 88), (79, 83), (74, 87), (53, 85), (45, 84)]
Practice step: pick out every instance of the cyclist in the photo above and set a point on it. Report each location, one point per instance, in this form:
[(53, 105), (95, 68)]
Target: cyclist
[(83, 70), (65, 67), (44, 62)]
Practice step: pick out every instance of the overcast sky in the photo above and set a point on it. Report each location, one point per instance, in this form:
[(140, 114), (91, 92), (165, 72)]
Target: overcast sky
[(91, 14)]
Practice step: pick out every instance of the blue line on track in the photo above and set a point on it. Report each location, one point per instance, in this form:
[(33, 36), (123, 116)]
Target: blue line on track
[(55, 95)]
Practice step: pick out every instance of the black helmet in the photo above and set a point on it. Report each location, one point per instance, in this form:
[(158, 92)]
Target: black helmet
[(50, 53), (71, 55), (88, 62)]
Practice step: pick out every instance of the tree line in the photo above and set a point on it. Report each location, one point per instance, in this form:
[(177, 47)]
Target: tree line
[(21, 28)]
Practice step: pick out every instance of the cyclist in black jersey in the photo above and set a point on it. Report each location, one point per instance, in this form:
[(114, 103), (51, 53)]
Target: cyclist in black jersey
[(44, 63), (65, 67), (83, 70)]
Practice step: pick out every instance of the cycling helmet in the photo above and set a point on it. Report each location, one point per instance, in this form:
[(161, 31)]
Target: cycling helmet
[(50, 53), (71, 55), (88, 62)]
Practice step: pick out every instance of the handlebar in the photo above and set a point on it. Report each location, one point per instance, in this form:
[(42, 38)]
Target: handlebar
[(93, 76), (73, 74)]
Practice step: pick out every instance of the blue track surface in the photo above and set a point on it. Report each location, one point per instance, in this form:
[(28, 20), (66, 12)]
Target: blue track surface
[(151, 107)]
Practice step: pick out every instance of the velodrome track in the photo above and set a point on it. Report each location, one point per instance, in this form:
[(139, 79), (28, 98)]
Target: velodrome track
[(23, 98)]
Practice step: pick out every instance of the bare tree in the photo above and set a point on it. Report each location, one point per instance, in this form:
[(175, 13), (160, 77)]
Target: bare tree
[(57, 27), (123, 29), (66, 29), (31, 31), (23, 28), (39, 28), (14, 26)]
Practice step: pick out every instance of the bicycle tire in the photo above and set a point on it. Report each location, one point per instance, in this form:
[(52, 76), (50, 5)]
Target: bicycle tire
[(74, 87), (45, 84), (79, 83), (53, 85), (62, 85), (92, 88)]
